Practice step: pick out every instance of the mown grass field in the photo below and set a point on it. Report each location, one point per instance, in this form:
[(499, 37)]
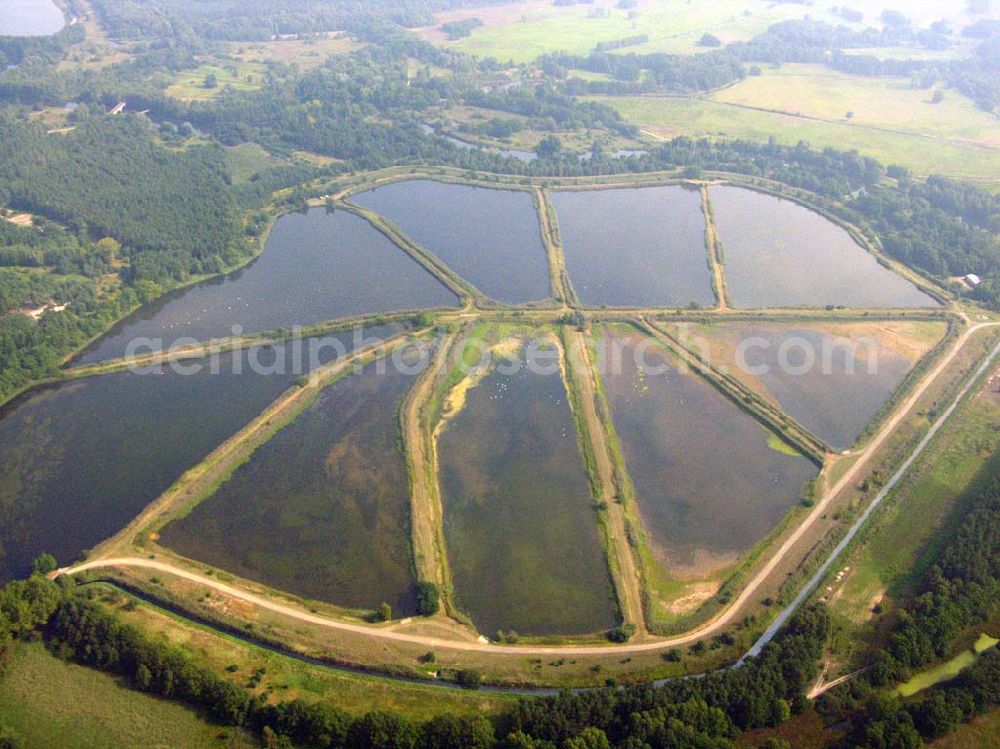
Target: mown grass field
[(189, 85), (247, 159), (667, 117), (51, 704), (891, 103), (523, 31)]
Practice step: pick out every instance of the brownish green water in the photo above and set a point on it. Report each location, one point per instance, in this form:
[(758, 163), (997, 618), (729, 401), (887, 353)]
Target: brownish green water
[(316, 266), (778, 253), (642, 247), (490, 237), (322, 510), (834, 399), (707, 484), (521, 531)]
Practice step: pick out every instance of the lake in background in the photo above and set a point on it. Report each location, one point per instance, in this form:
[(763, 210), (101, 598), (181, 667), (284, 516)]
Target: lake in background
[(30, 18)]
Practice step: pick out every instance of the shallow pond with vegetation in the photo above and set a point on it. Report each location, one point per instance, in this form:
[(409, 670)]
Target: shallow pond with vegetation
[(830, 378), (779, 253), (316, 266), (710, 481), (492, 238), (640, 247), (948, 670), (322, 510), (521, 531)]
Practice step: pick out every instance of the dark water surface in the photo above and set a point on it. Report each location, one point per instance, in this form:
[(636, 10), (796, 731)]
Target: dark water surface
[(707, 483), (79, 460), (490, 237), (30, 18), (832, 402), (321, 510), (521, 531), (642, 247), (316, 266), (779, 253)]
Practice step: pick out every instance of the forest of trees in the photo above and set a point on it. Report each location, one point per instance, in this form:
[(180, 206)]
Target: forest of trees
[(260, 19), (107, 199), (958, 592), (706, 713), (108, 178), (703, 713), (801, 41)]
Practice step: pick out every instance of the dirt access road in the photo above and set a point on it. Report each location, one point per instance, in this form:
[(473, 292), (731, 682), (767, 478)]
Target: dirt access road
[(713, 626)]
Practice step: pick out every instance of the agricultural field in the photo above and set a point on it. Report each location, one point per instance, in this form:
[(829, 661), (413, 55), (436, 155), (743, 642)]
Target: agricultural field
[(248, 159), (816, 92), (664, 117), (523, 31)]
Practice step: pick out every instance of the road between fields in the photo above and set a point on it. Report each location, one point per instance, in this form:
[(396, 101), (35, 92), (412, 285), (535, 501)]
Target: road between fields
[(713, 626)]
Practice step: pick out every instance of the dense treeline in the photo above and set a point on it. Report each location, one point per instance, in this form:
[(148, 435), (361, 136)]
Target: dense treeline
[(941, 226), (109, 178), (641, 73), (706, 713), (33, 50), (29, 349), (546, 103), (124, 205), (460, 29), (764, 692), (878, 720), (961, 590), (255, 20)]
